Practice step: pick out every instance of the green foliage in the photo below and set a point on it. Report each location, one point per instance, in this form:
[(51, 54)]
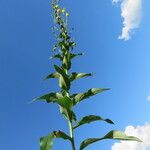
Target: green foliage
[(75, 76), (50, 97), (66, 101), (53, 75), (64, 81), (91, 118), (46, 142), (82, 96), (116, 135)]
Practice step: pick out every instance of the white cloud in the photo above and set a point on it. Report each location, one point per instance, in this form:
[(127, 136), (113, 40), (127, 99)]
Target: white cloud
[(131, 14), (116, 1), (148, 97), (142, 132)]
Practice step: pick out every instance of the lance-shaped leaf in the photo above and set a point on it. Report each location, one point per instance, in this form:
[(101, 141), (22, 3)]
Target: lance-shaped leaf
[(58, 98), (60, 134), (114, 134), (75, 76), (46, 142), (50, 97), (57, 56), (53, 75), (69, 114), (81, 96), (64, 81), (66, 62), (65, 102), (74, 55), (91, 118)]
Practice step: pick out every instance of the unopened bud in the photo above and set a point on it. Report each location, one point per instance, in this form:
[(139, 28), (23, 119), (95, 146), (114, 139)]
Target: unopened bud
[(67, 14), (56, 6), (63, 10)]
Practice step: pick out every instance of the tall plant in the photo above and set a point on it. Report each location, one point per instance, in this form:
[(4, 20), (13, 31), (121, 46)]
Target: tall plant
[(63, 50)]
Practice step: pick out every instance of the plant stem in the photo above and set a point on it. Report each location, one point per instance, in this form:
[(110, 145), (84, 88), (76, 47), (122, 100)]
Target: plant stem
[(71, 135)]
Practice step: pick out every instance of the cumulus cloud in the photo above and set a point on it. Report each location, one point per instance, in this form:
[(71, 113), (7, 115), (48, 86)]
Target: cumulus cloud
[(131, 14), (142, 132)]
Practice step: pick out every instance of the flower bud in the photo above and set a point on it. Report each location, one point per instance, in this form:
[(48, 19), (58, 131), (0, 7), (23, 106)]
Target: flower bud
[(56, 6), (67, 14), (63, 10)]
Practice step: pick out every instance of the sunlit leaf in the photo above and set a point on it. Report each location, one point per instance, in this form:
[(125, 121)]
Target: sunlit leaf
[(64, 82), (91, 118), (81, 96), (118, 135), (58, 98), (53, 75), (65, 102), (57, 56), (74, 55), (60, 134), (50, 97), (75, 76), (46, 142), (114, 134), (66, 63), (69, 114)]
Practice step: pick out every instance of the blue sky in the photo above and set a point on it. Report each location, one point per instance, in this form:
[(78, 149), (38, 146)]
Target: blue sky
[(25, 46)]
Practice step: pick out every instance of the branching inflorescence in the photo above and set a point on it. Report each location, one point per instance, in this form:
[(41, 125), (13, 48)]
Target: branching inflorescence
[(66, 101)]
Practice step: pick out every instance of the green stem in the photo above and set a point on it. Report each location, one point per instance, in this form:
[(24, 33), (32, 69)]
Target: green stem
[(71, 135)]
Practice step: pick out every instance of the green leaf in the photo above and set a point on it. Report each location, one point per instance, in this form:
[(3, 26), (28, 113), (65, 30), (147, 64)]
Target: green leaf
[(72, 44), (69, 114), (74, 55), (65, 102), (66, 63), (57, 56), (53, 75), (58, 98), (81, 96), (71, 56), (60, 134), (118, 135), (64, 81), (75, 76), (114, 134), (91, 118), (50, 97), (46, 142)]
